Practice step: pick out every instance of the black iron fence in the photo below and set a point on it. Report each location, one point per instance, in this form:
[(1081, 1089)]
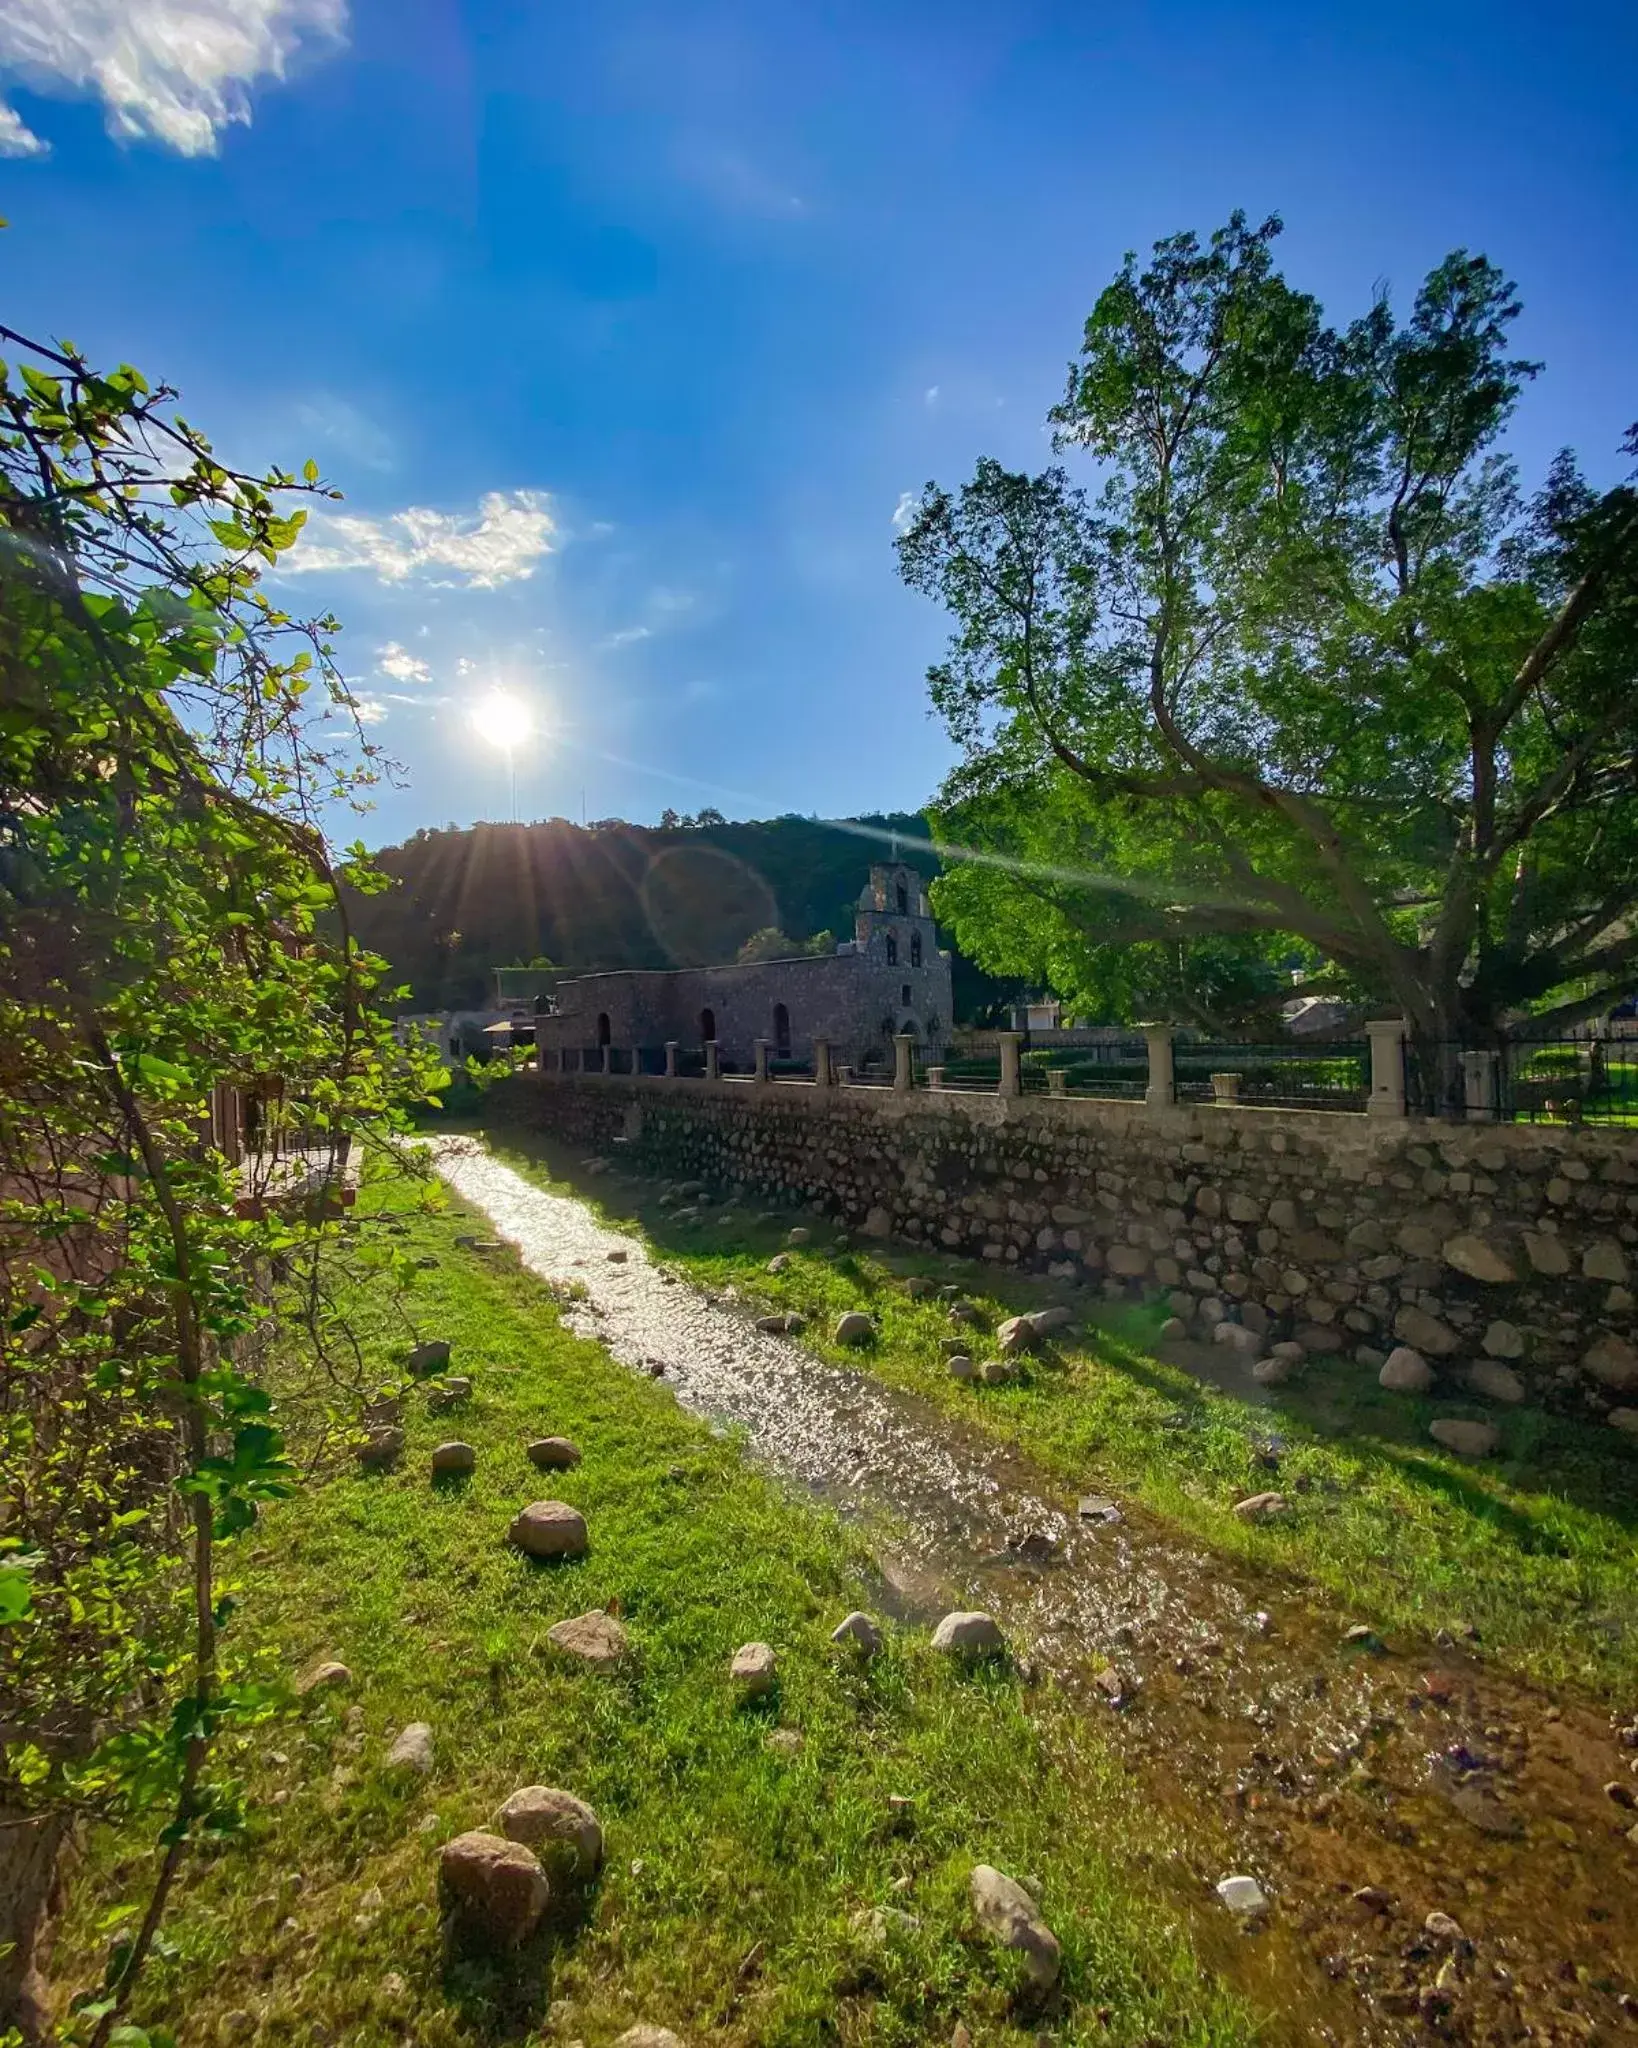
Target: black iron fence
[(1331, 1075), (1590, 1078)]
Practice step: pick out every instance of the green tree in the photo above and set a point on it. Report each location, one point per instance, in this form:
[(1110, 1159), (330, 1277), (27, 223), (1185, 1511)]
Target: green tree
[(1307, 667), (173, 941)]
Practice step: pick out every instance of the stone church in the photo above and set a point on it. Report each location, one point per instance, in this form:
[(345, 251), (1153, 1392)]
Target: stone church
[(890, 977)]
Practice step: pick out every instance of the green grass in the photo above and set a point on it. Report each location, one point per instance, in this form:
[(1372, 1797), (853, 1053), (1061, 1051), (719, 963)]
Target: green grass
[(1538, 1549), (734, 1873)]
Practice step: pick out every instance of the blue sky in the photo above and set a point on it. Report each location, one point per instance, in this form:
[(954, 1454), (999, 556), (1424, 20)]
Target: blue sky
[(624, 328)]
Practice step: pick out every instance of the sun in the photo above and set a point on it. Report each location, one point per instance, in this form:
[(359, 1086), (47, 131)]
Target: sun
[(502, 721)]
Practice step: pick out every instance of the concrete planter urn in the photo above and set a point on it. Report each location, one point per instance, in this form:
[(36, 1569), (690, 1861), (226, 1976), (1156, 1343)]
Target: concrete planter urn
[(1057, 1080), (1225, 1088)]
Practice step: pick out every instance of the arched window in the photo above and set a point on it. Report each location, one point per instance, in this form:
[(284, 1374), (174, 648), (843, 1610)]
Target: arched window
[(915, 949), (782, 1031), (904, 993), (708, 1026), (603, 1031), (892, 950), (904, 900)]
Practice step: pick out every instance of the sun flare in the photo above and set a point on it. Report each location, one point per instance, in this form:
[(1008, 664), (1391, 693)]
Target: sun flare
[(503, 721)]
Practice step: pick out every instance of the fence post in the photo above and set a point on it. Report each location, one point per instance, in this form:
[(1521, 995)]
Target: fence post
[(903, 1073), (761, 1060), (671, 1059), (1161, 1092), (1387, 1037), (1011, 1079), (711, 1070), (935, 1077), (824, 1075), (1479, 1086), (608, 1059)]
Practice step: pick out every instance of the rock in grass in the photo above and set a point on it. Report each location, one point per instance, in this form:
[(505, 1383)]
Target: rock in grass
[(1405, 1372), (412, 1749), (1016, 1334), (779, 1262), (449, 1393), (799, 1233), (1260, 1507), (1466, 1439), (554, 1453), (549, 1528), (854, 1328), (971, 1634), (594, 1639), (430, 1357), (858, 1632), (496, 1887), (1173, 1330), (961, 1366), (382, 1448), (323, 1677), (562, 1830), (645, 2036), (918, 1286), (1243, 1895), (1268, 1372), (753, 1668), (1008, 1914), (451, 1459)]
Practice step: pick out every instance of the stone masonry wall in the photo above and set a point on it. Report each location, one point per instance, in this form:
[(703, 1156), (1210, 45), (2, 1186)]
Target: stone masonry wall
[(1507, 1255)]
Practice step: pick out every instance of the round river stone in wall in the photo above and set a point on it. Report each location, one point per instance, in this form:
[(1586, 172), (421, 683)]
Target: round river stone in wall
[(1405, 1371)]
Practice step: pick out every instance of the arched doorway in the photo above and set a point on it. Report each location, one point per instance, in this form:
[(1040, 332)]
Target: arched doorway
[(708, 1026), (782, 1032), (603, 1032)]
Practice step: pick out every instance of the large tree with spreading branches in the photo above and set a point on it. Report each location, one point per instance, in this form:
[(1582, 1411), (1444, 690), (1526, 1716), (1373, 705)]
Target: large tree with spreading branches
[(1299, 674)]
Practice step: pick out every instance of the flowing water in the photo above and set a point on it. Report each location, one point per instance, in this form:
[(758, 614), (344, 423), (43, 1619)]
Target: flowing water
[(1427, 1784)]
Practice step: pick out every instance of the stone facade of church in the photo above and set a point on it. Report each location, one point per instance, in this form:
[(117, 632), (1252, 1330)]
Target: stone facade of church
[(890, 977)]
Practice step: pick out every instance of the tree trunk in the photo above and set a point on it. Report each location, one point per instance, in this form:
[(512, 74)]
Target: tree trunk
[(31, 1853)]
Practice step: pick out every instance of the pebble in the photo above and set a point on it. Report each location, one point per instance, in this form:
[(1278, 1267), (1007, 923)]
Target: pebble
[(595, 1639), (412, 1749), (617, 1257), (753, 1668), (554, 1453), (1441, 1927), (857, 1631), (324, 1677), (549, 1528), (970, 1634), (557, 1826), (1242, 1895), (1007, 1912)]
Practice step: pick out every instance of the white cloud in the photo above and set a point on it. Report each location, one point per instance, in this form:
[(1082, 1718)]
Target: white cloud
[(628, 636), (16, 139), (397, 662), (930, 395), (369, 710), (905, 510), (170, 71), (499, 543)]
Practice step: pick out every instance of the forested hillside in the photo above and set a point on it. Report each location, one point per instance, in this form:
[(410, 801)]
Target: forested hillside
[(618, 895)]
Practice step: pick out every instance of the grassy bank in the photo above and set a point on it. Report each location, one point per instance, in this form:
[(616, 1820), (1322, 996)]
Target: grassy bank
[(1537, 1549), (737, 1869)]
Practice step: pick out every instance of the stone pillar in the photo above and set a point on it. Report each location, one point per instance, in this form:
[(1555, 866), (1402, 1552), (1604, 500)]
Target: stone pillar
[(1479, 1086), (1011, 1080), (904, 1073), (761, 1060), (1161, 1092), (711, 1071), (935, 1077), (824, 1074), (608, 1059), (1057, 1081), (671, 1059), (1387, 1037)]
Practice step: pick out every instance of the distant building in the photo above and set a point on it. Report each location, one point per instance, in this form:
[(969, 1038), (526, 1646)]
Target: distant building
[(890, 977)]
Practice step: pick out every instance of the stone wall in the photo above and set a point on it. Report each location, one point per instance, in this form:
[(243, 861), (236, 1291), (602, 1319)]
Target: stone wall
[(1505, 1254)]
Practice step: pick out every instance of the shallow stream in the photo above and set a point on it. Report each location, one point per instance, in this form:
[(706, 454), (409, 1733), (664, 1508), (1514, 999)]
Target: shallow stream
[(1423, 1779)]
